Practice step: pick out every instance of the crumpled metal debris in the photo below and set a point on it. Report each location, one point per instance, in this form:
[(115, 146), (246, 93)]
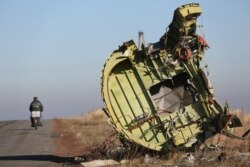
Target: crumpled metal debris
[(99, 163)]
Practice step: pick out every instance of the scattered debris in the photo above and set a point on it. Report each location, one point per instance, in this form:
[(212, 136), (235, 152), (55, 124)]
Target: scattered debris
[(147, 159), (99, 163), (213, 146), (189, 158), (79, 159)]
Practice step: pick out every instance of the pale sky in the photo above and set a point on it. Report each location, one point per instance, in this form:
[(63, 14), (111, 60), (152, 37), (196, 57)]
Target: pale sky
[(56, 49)]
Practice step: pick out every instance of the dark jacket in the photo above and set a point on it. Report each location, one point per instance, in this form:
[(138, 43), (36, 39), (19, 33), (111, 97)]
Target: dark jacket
[(36, 105)]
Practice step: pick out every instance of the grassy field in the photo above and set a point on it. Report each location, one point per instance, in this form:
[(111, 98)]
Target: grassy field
[(91, 136)]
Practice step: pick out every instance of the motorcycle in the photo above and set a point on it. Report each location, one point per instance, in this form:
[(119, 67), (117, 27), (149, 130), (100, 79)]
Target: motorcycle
[(35, 118)]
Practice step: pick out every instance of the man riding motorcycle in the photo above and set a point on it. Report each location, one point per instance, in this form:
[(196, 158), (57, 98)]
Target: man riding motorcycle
[(36, 108)]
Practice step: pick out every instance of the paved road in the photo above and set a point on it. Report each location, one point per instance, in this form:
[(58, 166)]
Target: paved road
[(23, 146)]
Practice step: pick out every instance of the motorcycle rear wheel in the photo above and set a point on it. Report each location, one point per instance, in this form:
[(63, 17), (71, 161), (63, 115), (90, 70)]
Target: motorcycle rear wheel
[(35, 123)]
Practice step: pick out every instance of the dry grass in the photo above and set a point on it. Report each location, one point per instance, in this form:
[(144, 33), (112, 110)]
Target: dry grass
[(82, 135), (78, 135)]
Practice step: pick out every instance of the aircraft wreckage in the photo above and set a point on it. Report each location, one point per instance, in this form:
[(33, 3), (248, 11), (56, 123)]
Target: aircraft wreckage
[(160, 97)]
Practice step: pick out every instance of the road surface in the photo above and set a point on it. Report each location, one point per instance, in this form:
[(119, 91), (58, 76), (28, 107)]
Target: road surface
[(23, 146)]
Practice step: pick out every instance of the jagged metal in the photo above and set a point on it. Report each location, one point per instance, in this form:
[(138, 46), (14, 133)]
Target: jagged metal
[(160, 97)]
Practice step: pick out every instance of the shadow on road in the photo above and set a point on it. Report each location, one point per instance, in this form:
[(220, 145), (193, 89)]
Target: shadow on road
[(52, 158), (28, 129)]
